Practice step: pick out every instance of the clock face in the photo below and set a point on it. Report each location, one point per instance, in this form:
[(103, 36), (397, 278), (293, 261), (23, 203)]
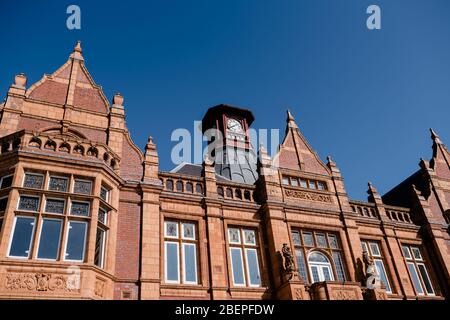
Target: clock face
[(235, 126)]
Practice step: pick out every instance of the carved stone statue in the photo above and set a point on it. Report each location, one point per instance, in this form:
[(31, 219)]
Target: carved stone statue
[(288, 258), (372, 276)]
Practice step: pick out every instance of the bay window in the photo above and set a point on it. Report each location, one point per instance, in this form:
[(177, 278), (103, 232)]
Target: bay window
[(244, 257), (180, 252)]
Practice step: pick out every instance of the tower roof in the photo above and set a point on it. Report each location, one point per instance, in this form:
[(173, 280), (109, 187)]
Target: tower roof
[(213, 112)]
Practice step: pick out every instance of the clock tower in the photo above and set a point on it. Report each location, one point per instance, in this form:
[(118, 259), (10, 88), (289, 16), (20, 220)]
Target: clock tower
[(234, 156)]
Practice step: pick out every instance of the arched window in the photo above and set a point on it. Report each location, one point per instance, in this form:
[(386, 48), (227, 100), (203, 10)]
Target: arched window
[(199, 188), (189, 187), (320, 267), (169, 185), (179, 186)]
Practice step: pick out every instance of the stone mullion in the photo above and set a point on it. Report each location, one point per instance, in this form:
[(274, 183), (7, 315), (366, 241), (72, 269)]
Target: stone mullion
[(92, 231), (392, 271)]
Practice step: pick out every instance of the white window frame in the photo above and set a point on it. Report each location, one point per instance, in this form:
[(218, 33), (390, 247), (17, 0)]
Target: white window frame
[(184, 262), (242, 267), (54, 198), (67, 240), (165, 229), (106, 216), (385, 272), (34, 174), (81, 201), (4, 177), (433, 293), (103, 247), (107, 193), (83, 180), (31, 196), (12, 236), (319, 266), (39, 239), (166, 262), (50, 176), (248, 268), (182, 231), (229, 236), (245, 238)]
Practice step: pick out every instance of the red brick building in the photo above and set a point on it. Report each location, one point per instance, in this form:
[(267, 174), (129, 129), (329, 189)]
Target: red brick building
[(85, 214)]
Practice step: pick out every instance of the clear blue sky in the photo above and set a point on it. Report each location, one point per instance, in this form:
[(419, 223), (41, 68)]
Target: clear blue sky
[(365, 97)]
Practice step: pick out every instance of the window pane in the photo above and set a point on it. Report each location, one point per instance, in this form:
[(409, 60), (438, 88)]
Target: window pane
[(253, 267), (55, 206), (28, 203), (415, 278), (99, 247), (234, 235), (308, 239), (76, 241), (33, 181), (339, 266), (321, 186), (3, 204), (79, 209), (294, 182), (23, 232), (285, 180), (249, 237), (172, 264), (416, 253), (6, 182), (383, 276), (301, 265), (327, 273), (406, 252), (374, 249), (188, 231), (190, 263), (321, 240), (102, 216), (171, 229), (49, 239), (318, 257), (303, 183), (58, 184), (296, 238), (364, 247), (333, 241), (82, 187), (237, 266), (315, 274), (104, 194), (312, 185), (425, 278)]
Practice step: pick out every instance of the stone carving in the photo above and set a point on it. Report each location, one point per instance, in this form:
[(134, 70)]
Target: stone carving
[(307, 196), (372, 276), (38, 282), (299, 294), (99, 288), (345, 295), (289, 267)]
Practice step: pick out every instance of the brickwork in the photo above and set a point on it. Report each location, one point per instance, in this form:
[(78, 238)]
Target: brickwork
[(292, 235)]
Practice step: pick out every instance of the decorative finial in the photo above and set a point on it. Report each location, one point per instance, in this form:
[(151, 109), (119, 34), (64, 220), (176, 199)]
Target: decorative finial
[(20, 80), (118, 99), (291, 120), (435, 136), (330, 161), (78, 47)]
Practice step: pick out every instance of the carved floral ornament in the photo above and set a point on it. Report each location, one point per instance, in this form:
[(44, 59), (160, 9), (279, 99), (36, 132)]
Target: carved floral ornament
[(42, 282), (309, 196)]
